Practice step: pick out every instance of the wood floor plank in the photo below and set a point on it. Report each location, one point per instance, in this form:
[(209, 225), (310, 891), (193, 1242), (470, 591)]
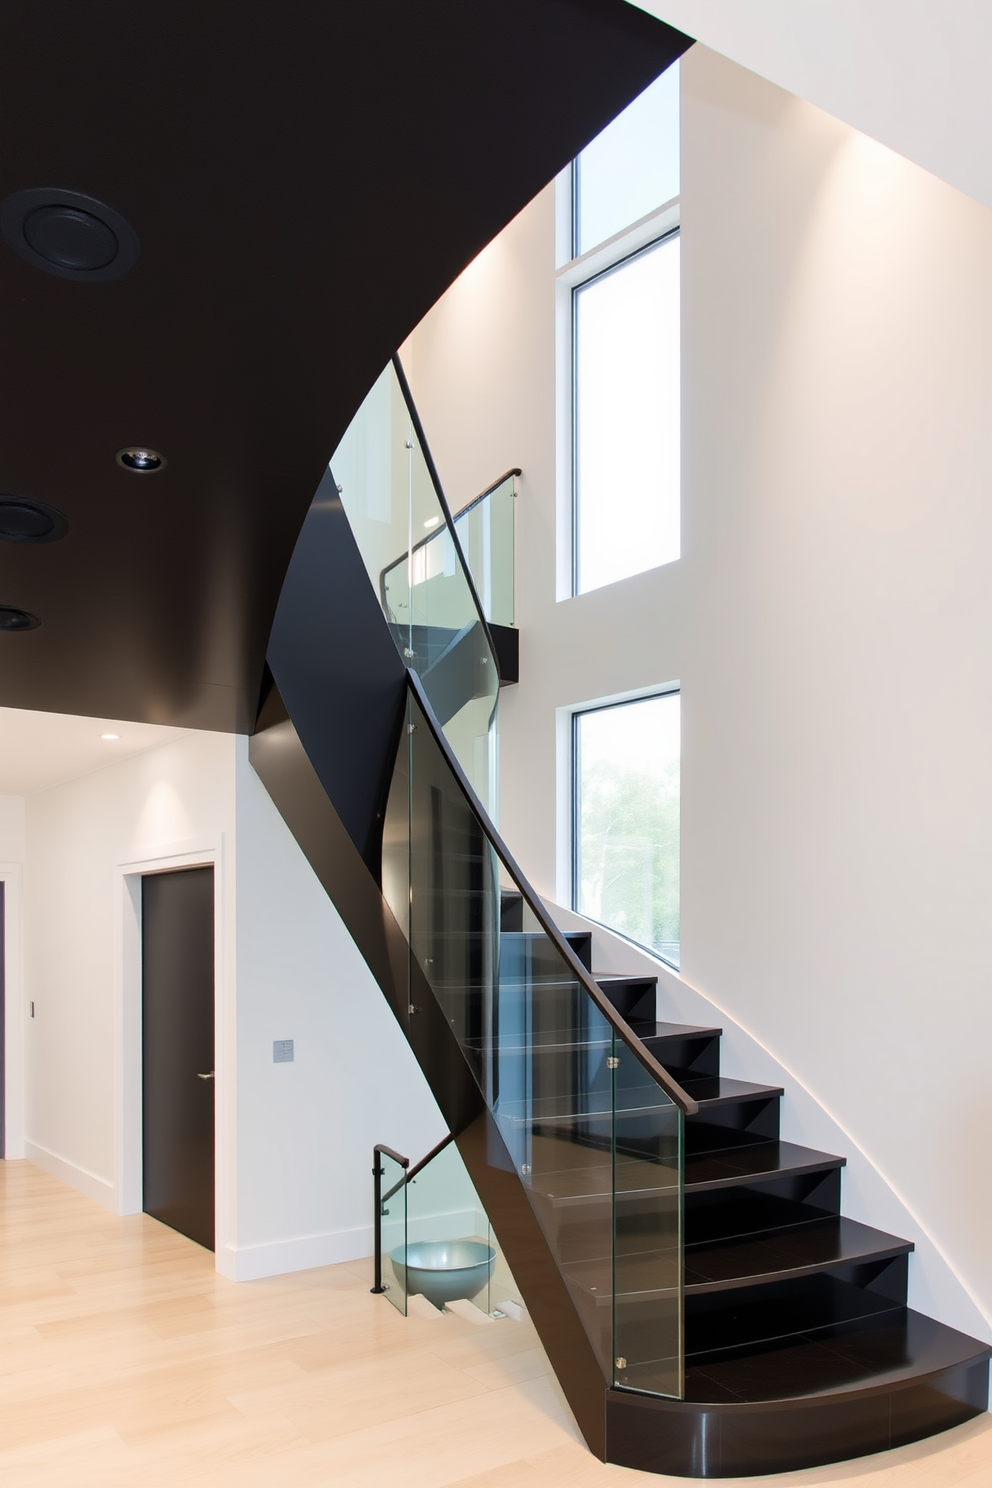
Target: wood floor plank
[(127, 1362)]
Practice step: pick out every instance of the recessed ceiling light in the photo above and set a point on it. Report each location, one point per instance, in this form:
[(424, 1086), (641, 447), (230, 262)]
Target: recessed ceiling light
[(11, 619), (432, 521), (25, 521), (68, 234), (110, 736), (140, 459)]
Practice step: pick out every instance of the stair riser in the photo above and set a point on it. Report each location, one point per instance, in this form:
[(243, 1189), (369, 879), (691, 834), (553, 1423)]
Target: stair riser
[(685, 1059), (791, 1199), (578, 1228), (716, 1324), (727, 1441), (732, 1124), (887, 1276), (635, 998)]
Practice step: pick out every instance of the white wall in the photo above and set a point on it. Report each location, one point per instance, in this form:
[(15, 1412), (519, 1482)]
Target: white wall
[(294, 1140), (306, 1130), (830, 622), (912, 74), (12, 876), (79, 834)]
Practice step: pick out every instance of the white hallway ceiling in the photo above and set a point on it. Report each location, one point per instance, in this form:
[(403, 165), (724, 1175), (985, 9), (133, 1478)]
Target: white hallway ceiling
[(912, 74), (38, 750)]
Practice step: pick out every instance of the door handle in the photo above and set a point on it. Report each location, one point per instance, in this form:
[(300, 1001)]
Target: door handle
[(206, 1077)]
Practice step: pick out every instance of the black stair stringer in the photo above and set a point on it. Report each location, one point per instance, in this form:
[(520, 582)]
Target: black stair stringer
[(338, 672), (278, 756)]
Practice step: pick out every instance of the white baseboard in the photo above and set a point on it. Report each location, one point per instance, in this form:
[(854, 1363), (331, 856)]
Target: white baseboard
[(251, 1262), (72, 1175)]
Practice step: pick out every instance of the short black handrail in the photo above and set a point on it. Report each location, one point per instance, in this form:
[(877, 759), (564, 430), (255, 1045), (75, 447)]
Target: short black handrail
[(620, 1026), (381, 1150), (429, 1158)]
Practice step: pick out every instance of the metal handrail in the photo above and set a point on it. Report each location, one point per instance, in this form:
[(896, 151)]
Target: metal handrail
[(421, 1165), (619, 1024), (471, 505), (380, 1149), (380, 1198)]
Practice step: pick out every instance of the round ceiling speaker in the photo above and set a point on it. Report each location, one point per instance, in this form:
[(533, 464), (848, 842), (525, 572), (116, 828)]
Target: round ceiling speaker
[(11, 619), (25, 521), (68, 234)]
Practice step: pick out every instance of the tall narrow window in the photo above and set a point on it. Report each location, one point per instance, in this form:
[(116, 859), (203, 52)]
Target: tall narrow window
[(626, 348), (625, 288), (626, 804)]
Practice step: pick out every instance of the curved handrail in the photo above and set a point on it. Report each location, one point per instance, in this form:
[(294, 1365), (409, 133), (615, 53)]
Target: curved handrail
[(620, 1026)]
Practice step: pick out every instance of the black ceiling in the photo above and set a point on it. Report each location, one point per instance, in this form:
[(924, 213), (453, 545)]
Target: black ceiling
[(305, 178)]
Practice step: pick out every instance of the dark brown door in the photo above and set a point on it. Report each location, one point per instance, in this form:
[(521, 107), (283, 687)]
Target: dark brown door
[(177, 1038)]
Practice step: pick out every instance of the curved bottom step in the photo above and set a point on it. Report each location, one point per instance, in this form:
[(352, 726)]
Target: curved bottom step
[(863, 1388)]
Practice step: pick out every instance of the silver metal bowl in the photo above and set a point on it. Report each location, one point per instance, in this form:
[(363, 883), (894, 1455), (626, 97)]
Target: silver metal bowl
[(444, 1270)]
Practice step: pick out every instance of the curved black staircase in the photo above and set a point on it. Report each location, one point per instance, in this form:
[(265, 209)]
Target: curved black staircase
[(708, 1310)]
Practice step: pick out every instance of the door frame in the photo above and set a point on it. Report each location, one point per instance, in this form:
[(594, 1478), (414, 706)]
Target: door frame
[(13, 1011), (128, 1114)]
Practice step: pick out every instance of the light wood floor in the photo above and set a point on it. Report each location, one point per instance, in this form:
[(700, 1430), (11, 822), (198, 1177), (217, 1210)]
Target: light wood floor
[(126, 1360)]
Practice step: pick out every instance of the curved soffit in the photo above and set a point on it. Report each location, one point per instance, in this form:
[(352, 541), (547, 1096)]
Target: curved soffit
[(304, 181)]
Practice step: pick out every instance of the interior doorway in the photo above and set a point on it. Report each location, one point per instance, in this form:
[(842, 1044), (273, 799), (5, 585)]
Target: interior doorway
[(177, 1050)]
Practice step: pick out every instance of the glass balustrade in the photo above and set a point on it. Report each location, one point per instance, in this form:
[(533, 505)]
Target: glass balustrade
[(398, 516), (485, 530), (583, 1113)]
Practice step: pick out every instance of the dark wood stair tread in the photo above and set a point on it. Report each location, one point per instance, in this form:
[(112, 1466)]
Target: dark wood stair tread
[(761, 1161), (725, 1265), (866, 1355), (709, 1091), (817, 1246), (563, 1040), (564, 1187)]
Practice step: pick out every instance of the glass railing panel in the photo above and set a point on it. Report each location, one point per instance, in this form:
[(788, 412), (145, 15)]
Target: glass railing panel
[(392, 1230), (386, 485), (541, 1049), (485, 532), (451, 1255), (647, 1231)]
